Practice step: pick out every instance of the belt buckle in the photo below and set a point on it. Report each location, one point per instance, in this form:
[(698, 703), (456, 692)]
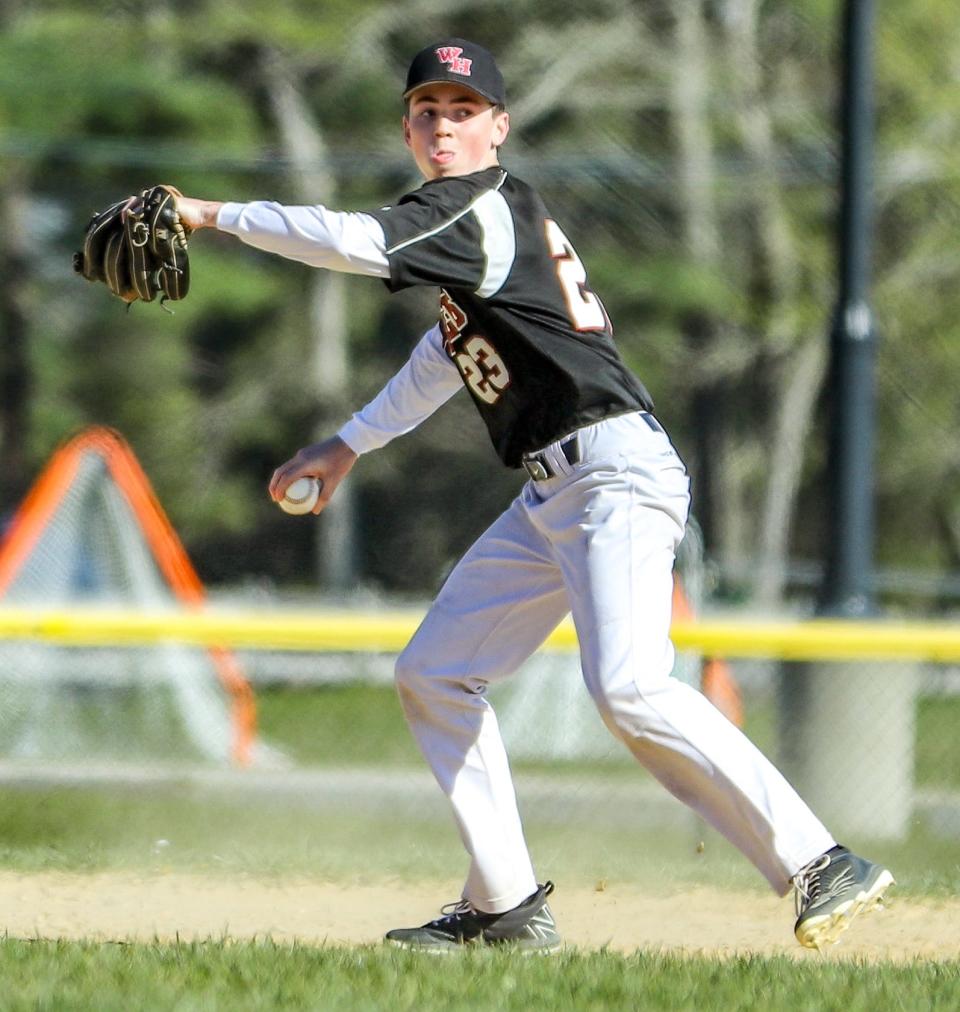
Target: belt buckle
[(535, 468)]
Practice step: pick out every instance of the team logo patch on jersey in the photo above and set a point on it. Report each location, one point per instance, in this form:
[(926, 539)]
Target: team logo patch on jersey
[(456, 64), (452, 320), (482, 369)]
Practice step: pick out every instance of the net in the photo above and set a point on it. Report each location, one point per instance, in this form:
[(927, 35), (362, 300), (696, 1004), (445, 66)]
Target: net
[(91, 533)]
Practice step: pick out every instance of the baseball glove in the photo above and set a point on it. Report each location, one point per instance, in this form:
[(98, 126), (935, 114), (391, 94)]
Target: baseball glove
[(138, 248)]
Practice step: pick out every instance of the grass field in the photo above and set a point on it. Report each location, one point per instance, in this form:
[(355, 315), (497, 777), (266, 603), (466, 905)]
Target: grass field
[(92, 827), (362, 724), (89, 829), (41, 976), (84, 829)]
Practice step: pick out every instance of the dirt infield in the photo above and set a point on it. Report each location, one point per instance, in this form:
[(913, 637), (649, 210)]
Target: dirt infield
[(116, 907)]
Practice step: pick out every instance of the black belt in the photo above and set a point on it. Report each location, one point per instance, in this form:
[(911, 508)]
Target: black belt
[(539, 466)]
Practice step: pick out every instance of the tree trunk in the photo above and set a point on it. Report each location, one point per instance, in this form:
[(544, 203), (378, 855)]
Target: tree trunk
[(948, 523), (313, 182), (799, 382), (690, 95), (689, 98), (16, 379), (799, 365)]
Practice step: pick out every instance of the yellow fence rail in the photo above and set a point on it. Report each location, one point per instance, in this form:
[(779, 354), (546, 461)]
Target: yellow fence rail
[(371, 632)]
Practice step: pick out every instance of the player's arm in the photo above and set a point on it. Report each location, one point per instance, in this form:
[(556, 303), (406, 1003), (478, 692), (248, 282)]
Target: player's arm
[(427, 380), (348, 241), (454, 234)]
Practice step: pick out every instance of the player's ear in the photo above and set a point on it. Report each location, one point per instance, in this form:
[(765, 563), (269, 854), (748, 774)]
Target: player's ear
[(501, 127), (406, 131)]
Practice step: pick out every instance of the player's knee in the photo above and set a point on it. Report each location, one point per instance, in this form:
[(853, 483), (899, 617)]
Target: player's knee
[(625, 710), (424, 673), (416, 673), (409, 671)]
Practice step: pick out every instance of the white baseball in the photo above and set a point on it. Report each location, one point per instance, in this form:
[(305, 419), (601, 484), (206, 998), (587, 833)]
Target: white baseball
[(301, 496)]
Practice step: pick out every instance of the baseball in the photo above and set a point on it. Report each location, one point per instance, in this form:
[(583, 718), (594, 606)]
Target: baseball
[(301, 496)]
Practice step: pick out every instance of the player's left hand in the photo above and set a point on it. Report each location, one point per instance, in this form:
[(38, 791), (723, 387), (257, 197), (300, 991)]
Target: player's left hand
[(196, 213), (138, 247)]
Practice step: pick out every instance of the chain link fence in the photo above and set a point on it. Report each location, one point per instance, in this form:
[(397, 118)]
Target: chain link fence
[(690, 152)]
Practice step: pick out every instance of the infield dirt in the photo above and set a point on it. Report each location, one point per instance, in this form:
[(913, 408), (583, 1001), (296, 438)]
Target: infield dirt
[(165, 906)]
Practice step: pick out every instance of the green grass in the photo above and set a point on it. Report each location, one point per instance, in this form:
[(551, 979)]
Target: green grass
[(92, 828), (938, 743), (88, 829), (80, 828), (40, 976), (361, 725), (347, 725)]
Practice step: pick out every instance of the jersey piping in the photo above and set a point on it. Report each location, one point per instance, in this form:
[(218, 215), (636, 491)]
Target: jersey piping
[(498, 240), (452, 220)]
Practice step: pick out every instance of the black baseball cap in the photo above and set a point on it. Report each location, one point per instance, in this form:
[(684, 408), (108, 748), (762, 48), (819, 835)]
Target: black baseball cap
[(457, 61)]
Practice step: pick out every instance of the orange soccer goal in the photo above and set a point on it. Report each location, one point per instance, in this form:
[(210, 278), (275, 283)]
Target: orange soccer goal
[(91, 531)]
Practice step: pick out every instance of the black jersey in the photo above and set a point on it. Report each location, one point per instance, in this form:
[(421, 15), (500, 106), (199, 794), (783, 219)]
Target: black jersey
[(532, 342)]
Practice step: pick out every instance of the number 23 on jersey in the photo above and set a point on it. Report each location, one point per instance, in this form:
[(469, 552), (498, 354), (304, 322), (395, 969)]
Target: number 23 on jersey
[(483, 370), (586, 312)]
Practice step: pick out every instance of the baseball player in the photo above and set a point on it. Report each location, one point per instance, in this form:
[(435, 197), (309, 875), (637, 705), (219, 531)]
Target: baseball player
[(593, 531)]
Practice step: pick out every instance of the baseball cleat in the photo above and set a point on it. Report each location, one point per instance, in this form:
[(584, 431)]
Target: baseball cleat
[(831, 891), (528, 927)]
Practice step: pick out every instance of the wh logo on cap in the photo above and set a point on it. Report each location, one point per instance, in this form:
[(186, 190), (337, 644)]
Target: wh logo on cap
[(450, 55)]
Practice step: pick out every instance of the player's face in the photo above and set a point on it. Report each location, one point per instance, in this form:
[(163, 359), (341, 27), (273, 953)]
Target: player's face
[(452, 131)]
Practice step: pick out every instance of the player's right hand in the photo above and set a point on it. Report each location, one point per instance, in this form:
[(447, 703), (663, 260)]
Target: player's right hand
[(330, 461)]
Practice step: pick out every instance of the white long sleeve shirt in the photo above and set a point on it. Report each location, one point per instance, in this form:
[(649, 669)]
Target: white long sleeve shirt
[(427, 379), (353, 243), (350, 242)]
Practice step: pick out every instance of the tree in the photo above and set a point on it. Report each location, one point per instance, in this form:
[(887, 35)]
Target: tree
[(688, 148)]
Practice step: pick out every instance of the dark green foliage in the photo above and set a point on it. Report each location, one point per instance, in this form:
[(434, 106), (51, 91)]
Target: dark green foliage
[(217, 395)]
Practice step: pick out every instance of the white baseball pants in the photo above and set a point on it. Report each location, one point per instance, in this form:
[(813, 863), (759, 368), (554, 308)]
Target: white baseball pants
[(598, 540)]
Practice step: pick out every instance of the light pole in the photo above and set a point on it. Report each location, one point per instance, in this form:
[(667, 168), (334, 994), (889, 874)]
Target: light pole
[(847, 729), (847, 589)]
